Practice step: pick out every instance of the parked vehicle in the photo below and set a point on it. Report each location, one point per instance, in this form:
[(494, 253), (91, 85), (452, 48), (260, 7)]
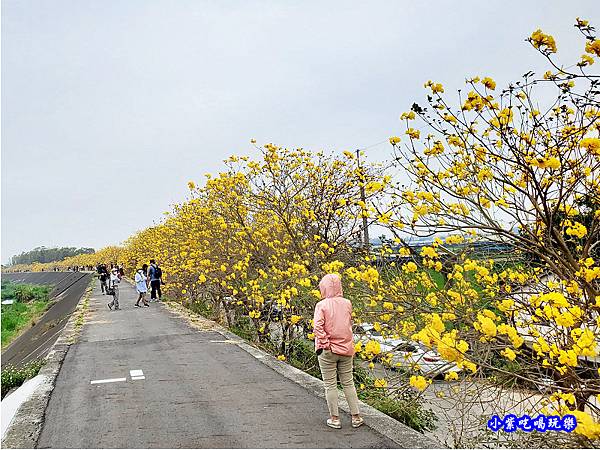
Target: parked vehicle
[(406, 354), (413, 355), (366, 332)]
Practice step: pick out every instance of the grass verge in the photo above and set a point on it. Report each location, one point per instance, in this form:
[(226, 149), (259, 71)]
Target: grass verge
[(29, 303), (12, 377)]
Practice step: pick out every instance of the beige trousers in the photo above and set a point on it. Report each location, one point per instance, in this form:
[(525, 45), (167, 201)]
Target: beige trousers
[(332, 366)]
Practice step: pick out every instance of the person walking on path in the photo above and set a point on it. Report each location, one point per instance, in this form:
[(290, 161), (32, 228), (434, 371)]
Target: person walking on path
[(104, 277), (141, 284), (155, 276), (335, 348), (115, 279)]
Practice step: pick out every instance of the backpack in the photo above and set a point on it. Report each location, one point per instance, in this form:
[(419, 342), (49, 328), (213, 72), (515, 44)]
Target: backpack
[(141, 277), (158, 272)]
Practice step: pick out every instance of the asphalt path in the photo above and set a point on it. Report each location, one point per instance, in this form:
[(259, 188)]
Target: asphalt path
[(198, 390), (68, 287)]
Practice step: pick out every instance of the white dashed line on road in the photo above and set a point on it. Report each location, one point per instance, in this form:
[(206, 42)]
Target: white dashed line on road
[(137, 374), (108, 380)]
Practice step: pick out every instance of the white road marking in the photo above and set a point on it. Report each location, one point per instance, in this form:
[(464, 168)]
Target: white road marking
[(108, 380), (138, 378), (136, 373), (228, 341)]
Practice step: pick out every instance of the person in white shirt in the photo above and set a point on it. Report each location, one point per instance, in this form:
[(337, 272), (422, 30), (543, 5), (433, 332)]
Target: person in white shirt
[(141, 285), (115, 279)]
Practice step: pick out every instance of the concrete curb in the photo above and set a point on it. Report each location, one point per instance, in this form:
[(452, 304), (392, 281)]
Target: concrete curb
[(25, 429), (401, 434)]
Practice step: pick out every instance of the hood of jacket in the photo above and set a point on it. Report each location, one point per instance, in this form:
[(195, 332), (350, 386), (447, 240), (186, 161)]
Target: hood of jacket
[(331, 286)]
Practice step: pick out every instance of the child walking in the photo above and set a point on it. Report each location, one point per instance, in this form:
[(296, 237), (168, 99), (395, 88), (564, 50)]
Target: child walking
[(141, 285), (115, 279)]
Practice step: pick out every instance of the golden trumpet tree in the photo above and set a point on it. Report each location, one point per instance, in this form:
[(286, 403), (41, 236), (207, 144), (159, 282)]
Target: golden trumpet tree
[(505, 167)]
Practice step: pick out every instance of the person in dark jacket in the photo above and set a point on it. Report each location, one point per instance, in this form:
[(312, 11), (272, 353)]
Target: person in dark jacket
[(155, 279)]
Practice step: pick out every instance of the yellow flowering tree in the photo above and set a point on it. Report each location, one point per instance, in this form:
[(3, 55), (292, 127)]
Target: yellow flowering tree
[(504, 182), (252, 242), (516, 170)]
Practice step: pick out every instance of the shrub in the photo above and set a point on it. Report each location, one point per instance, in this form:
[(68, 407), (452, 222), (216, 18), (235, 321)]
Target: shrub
[(243, 328), (403, 405), (302, 356), (13, 377)]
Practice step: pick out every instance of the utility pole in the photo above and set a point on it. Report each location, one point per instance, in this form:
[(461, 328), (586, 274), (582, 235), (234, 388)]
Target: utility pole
[(363, 197)]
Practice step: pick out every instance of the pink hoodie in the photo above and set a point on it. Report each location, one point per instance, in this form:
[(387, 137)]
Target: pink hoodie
[(333, 318)]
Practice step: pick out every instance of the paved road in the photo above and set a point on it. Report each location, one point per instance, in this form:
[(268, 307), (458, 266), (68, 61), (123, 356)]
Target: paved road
[(68, 287), (199, 390)]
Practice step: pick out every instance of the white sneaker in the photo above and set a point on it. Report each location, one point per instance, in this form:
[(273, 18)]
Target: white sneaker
[(357, 422), (334, 424)]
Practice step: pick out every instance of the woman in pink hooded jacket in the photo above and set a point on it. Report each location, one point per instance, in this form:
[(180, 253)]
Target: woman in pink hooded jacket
[(335, 346)]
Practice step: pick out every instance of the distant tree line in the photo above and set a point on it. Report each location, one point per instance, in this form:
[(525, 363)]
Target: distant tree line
[(46, 255)]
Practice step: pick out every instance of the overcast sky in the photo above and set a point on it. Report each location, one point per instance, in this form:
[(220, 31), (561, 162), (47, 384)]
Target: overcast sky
[(110, 107)]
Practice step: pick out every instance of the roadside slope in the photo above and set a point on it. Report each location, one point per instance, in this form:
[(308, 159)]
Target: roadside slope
[(68, 287)]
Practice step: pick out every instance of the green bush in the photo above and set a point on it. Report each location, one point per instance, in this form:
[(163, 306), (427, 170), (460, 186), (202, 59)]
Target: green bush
[(202, 308), (405, 406), (244, 328), (8, 290), (30, 302), (24, 292), (302, 356), (29, 292), (11, 315), (12, 377)]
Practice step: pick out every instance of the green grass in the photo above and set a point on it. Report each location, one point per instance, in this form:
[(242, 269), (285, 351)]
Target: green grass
[(24, 292), (12, 377), (30, 302), (244, 329)]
